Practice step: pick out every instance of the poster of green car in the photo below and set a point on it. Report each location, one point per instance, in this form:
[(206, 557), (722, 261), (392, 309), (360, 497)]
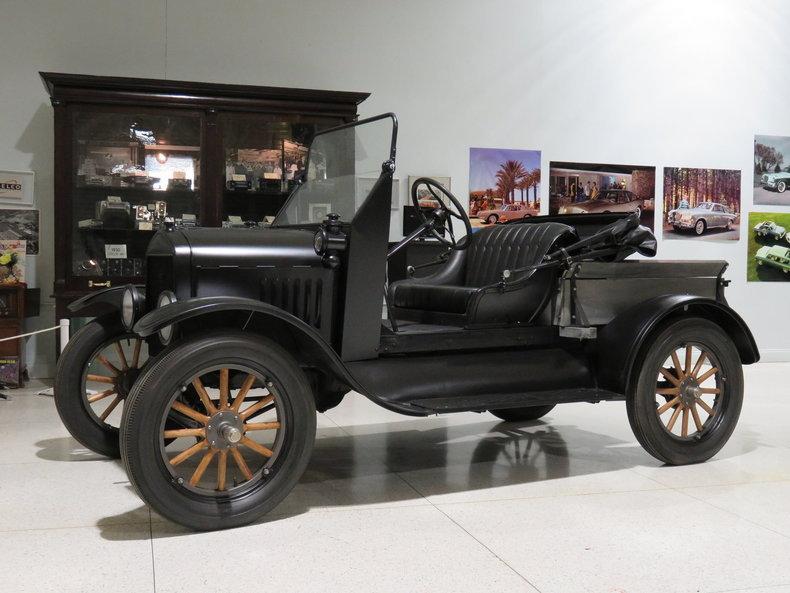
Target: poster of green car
[(768, 256)]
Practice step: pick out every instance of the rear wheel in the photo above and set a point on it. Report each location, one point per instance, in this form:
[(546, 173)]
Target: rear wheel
[(492, 219), (95, 374), (688, 394), (247, 425), (523, 414)]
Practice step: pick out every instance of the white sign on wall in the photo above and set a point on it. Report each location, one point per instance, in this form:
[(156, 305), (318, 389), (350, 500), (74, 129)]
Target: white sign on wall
[(16, 187)]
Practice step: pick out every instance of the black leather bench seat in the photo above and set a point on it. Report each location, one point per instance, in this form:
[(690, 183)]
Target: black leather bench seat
[(468, 284)]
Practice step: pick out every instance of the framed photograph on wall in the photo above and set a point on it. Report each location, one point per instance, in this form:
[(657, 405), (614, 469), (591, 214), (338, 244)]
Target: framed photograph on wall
[(20, 223), (16, 187), (768, 254), (365, 186), (702, 204), (590, 188), (771, 170), (425, 197), (504, 184)]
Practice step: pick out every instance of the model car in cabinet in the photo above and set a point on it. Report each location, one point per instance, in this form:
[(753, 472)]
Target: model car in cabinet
[(249, 332)]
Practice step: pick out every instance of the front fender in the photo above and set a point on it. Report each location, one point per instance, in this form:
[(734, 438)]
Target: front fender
[(622, 341), (102, 302), (272, 319)]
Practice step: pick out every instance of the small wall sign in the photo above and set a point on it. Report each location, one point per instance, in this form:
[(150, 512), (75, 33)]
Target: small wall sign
[(16, 187)]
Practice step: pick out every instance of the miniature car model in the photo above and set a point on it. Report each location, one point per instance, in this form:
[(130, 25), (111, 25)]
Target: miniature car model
[(251, 331), (507, 212), (775, 256), (706, 215), (609, 200), (769, 229), (776, 181)]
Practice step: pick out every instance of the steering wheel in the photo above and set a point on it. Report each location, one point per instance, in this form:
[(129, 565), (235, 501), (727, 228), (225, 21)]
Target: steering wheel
[(449, 207)]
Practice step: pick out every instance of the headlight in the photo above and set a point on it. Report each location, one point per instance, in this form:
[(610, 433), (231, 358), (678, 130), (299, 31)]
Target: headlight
[(166, 333), (320, 241), (130, 305)]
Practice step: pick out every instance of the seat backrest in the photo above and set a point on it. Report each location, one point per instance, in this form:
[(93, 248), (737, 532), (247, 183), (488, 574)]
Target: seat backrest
[(508, 246)]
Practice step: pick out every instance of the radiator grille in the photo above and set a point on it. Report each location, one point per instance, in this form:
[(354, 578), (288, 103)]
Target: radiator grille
[(301, 297)]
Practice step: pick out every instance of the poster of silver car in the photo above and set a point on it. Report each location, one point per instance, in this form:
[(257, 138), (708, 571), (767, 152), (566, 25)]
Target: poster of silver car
[(772, 170)]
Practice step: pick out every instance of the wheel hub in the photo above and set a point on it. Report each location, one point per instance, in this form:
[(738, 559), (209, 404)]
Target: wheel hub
[(224, 430), (124, 382), (689, 391)]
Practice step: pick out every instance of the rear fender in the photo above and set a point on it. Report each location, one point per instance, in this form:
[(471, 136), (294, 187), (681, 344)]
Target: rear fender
[(622, 342)]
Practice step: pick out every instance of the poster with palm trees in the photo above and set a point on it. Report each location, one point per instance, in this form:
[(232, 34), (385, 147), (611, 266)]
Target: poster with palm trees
[(504, 184)]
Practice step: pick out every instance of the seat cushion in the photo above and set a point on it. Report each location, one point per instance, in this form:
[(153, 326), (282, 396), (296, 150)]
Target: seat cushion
[(433, 297)]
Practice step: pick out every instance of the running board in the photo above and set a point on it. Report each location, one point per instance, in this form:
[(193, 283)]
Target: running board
[(499, 401)]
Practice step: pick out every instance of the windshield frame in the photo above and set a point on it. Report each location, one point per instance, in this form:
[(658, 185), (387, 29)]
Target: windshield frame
[(353, 124)]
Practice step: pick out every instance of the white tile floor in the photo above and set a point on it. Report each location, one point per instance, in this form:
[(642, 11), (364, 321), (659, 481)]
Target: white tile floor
[(391, 503)]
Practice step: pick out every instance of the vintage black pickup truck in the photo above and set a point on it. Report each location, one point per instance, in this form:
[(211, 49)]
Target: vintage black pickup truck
[(220, 362)]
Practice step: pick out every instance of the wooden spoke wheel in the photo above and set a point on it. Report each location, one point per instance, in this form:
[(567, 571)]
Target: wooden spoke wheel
[(218, 429), (95, 374), (110, 375), (687, 393), (232, 437)]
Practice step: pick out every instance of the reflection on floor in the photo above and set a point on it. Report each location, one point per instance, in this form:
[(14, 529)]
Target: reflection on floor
[(455, 503)]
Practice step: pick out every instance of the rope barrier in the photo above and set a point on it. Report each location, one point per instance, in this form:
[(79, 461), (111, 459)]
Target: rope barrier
[(64, 334)]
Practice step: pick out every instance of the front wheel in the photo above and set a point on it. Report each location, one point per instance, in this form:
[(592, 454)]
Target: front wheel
[(688, 394), (247, 424), (492, 219), (781, 187), (699, 227)]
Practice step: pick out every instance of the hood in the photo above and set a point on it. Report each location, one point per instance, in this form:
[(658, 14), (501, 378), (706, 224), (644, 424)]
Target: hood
[(237, 248)]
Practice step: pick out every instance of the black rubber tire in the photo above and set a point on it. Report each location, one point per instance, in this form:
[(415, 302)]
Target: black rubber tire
[(146, 406), (641, 404), (492, 219), (523, 414), (70, 402), (704, 228), (781, 187)]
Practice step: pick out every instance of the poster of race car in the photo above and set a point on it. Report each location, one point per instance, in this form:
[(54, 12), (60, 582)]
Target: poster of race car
[(504, 184), (768, 254), (772, 170), (702, 204), (590, 188)]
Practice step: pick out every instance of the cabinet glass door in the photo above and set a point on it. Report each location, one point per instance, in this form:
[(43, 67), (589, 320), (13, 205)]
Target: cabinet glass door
[(133, 173), (264, 157)]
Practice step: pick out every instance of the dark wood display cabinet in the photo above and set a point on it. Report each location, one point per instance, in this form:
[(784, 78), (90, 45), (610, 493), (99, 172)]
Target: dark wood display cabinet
[(133, 156)]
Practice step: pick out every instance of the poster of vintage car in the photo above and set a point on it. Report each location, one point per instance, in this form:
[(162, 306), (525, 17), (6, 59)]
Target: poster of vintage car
[(768, 254), (590, 188), (702, 204), (20, 223), (772, 170), (504, 184)]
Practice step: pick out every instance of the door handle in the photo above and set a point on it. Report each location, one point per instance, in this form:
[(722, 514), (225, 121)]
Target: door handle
[(92, 284)]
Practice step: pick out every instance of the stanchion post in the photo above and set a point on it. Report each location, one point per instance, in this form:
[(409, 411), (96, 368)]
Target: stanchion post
[(65, 328)]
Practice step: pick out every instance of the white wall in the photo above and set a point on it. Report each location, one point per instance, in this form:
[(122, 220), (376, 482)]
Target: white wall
[(664, 83)]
